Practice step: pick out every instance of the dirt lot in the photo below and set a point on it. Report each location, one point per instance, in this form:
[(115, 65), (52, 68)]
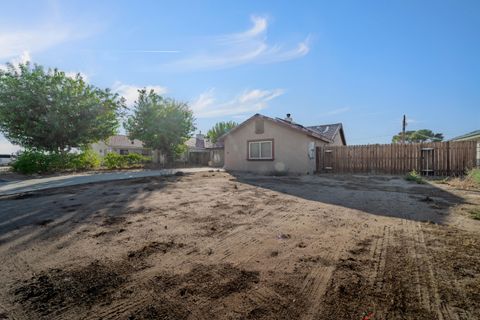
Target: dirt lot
[(217, 246)]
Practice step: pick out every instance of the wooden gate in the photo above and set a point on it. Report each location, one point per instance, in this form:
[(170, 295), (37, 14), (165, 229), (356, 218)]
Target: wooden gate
[(436, 158)]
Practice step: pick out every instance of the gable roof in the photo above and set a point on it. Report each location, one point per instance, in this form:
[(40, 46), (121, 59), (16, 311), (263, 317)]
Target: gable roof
[(309, 131), (204, 143), (330, 131), (123, 141), (468, 136)]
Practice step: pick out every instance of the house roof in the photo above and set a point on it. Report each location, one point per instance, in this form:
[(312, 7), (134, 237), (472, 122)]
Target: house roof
[(124, 142), (310, 131), (469, 136), (330, 130), (202, 143)]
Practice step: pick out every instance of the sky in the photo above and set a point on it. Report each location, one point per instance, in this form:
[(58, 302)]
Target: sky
[(362, 63)]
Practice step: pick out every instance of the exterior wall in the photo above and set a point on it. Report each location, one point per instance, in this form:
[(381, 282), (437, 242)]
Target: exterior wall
[(338, 140), (216, 158), (290, 150), (102, 149), (477, 139), (5, 159)]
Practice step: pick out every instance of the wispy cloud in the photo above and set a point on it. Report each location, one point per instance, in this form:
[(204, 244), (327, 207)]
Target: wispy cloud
[(249, 101), (73, 74), (334, 112), (24, 57), (50, 31), (150, 51), (249, 46), (130, 92), (13, 42)]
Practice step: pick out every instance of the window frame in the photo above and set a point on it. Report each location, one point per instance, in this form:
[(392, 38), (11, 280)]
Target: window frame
[(259, 141)]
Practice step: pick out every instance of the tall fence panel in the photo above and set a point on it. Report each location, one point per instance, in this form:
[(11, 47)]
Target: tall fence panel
[(435, 158)]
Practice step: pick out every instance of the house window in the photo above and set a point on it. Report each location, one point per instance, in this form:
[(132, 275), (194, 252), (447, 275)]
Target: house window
[(260, 150), (123, 152)]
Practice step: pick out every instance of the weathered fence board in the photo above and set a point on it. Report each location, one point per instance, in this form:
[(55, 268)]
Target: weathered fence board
[(435, 158)]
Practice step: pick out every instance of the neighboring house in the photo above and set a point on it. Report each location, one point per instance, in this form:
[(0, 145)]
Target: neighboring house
[(471, 136), (5, 159), (277, 146), (120, 144), (202, 151)]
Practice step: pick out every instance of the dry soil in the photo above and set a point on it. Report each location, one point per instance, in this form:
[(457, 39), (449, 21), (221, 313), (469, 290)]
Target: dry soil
[(218, 246)]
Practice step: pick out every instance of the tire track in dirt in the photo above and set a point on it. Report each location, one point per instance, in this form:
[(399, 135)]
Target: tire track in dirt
[(121, 308), (412, 240), (379, 253), (316, 282), (425, 277)]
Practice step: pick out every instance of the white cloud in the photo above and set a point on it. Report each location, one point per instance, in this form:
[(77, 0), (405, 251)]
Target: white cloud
[(235, 49), (73, 74), (130, 92), (44, 31), (249, 101), (13, 42), (336, 111), (24, 57)]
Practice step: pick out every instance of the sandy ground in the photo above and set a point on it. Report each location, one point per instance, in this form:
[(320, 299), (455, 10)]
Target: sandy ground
[(217, 246)]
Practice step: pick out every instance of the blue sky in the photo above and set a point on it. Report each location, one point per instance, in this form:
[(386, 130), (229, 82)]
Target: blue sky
[(362, 63)]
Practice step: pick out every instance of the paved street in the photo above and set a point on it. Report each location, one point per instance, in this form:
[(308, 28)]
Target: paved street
[(13, 187)]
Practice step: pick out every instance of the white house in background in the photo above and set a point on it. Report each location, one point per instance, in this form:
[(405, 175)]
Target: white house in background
[(5, 159), (120, 144)]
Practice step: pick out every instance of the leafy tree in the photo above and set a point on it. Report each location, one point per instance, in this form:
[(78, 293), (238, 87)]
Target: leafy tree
[(161, 123), (48, 111), (219, 129), (423, 135)]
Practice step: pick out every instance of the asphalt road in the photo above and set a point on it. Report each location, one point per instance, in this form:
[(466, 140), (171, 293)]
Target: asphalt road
[(21, 186)]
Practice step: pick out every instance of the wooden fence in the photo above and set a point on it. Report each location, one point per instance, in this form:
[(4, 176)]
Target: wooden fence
[(436, 158)]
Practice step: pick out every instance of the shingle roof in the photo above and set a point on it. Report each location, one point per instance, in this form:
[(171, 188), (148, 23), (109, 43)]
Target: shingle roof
[(310, 131), (205, 143), (327, 130), (123, 141)]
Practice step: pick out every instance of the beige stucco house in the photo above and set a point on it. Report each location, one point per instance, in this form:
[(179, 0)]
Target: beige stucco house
[(200, 151), (277, 146), (471, 136), (120, 144)]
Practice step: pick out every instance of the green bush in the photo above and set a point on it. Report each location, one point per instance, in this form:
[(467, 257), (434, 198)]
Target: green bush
[(116, 161), (474, 176), (475, 213), (29, 161), (415, 177), (86, 160)]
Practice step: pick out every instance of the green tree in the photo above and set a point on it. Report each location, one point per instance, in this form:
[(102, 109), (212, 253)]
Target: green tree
[(161, 123), (423, 135), (219, 129), (48, 111)]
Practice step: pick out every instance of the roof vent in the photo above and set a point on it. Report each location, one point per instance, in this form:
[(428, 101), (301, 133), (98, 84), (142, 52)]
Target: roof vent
[(289, 118)]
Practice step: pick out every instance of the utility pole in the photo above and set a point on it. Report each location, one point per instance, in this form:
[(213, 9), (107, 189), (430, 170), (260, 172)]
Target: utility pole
[(404, 124)]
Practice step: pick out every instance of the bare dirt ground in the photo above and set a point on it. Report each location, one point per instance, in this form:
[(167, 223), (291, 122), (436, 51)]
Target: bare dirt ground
[(217, 246)]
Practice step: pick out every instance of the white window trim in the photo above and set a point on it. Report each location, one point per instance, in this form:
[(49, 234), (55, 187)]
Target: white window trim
[(260, 150)]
